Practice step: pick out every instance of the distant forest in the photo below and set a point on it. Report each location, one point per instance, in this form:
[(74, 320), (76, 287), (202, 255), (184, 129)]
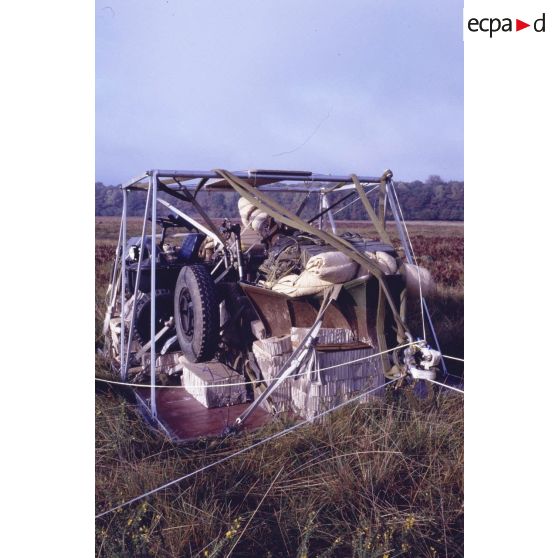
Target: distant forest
[(433, 200)]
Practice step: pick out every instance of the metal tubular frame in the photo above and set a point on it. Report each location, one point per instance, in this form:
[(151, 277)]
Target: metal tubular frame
[(153, 352), (409, 255), (167, 177), (123, 283), (115, 270), (330, 215), (153, 177), (292, 176), (196, 224), (136, 284), (322, 209), (112, 292)]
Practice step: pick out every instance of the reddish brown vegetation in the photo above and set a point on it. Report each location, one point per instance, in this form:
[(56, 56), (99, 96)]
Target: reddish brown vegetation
[(443, 257)]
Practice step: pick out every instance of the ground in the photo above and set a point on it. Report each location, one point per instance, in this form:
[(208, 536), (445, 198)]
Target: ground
[(376, 480)]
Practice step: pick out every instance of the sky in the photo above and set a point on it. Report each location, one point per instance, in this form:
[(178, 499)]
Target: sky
[(329, 86)]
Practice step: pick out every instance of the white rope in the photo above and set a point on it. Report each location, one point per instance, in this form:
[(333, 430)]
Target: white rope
[(255, 381), (446, 386), (243, 450), (415, 259), (454, 358)]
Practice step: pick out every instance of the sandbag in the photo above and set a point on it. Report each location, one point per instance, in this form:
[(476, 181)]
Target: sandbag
[(386, 263), (253, 217), (300, 285), (412, 273), (260, 222), (245, 208), (334, 267), (322, 271)]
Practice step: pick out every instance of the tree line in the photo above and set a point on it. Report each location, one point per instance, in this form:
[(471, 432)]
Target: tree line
[(433, 200)]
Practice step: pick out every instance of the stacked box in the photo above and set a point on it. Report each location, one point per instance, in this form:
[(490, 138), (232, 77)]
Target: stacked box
[(326, 388), (275, 346), (333, 365), (326, 335), (332, 380), (271, 354), (204, 381)]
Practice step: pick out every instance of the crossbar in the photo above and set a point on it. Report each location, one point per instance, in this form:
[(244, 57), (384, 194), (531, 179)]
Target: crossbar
[(278, 176)]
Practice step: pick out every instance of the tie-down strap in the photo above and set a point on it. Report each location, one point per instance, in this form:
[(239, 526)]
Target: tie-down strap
[(282, 215)]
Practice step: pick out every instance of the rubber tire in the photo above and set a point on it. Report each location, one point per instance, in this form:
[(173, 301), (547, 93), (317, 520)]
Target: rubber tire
[(198, 331), (142, 326)]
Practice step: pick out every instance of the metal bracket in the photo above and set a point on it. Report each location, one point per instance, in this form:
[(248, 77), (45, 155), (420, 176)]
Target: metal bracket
[(168, 344), (421, 361), (147, 347)]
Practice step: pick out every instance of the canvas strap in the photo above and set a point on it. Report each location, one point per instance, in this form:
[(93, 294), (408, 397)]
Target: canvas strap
[(283, 215)]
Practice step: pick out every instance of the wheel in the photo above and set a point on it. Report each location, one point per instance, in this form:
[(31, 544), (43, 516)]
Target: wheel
[(196, 313), (141, 329)]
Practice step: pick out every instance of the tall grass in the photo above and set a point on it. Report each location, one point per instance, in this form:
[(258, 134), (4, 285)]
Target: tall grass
[(378, 479), (382, 479)]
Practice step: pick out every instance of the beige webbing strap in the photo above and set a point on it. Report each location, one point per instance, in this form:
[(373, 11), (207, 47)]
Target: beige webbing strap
[(200, 185), (382, 199), (379, 223), (371, 213), (279, 212), (283, 215), (380, 330), (403, 303)]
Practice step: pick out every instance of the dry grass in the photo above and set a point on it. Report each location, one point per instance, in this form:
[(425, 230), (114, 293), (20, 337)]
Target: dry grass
[(383, 479), (385, 476)]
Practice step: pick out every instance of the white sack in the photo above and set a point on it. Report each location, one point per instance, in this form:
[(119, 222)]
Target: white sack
[(412, 273), (384, 261), (300, 285), (389, 263), (251, 216), (334, 267), (259, 222), (245, 208)]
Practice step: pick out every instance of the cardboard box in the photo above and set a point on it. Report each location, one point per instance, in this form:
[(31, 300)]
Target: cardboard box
[(209, 383)]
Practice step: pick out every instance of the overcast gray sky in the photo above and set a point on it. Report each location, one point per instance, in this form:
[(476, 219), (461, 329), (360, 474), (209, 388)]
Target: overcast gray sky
[(323, 85)]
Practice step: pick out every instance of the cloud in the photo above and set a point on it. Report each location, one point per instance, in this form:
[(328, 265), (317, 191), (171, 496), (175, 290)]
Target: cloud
[(331, 86)]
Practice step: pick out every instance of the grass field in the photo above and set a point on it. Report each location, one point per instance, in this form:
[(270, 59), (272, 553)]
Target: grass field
[(377, 480)]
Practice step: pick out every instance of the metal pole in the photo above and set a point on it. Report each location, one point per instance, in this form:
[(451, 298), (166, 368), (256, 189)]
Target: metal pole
[(123, 284), (115, 270), (251, 175), (330, 215), (138, 276), (427, 312), (406, 248), (153, 352), (322, 209), (399, 226), (112, 292), (192, 221)]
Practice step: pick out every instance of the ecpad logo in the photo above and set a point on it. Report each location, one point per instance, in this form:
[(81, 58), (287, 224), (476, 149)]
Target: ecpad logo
[(493, 25)]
